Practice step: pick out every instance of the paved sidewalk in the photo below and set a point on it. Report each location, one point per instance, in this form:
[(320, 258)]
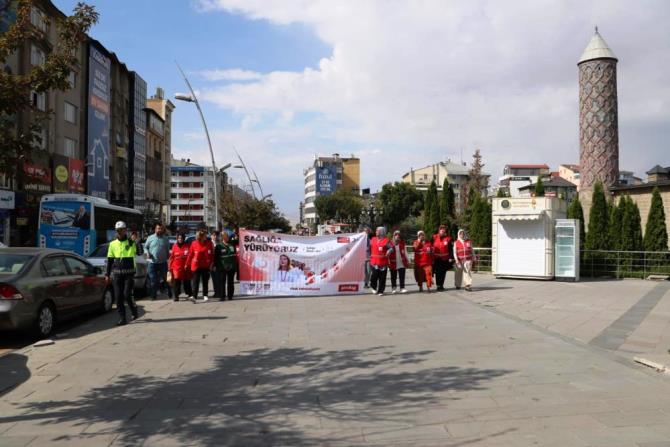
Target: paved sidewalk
[(410, 370)]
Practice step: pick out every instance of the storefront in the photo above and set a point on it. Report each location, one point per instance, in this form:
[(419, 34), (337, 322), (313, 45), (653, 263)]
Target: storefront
[(6, 207), (36, 180)]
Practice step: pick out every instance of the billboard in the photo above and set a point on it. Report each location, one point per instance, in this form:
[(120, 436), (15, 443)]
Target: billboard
[(326, 179), (37, 173), (98, 122), (61, 173), (67, 226), (287, 265)]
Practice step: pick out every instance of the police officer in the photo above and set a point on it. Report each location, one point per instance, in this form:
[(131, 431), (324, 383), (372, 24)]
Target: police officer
[(121, 270)]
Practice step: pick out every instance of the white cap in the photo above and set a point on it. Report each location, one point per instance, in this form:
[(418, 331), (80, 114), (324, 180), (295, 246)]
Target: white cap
[(119, 225)]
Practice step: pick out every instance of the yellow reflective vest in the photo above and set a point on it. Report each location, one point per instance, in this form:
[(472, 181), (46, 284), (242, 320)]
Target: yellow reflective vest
[(121, 257)]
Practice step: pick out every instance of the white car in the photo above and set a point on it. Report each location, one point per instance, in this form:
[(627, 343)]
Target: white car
[(99, 259)]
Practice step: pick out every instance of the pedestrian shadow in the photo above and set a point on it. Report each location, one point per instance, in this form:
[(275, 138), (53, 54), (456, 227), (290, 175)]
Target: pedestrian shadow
[(488, 288), (267, 397), (13, 372), (174, 320)]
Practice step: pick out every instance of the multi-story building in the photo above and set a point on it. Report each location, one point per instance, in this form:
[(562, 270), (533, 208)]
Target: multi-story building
[(119, 136), (192, 202), (570, 173), (155, 191), (326, 175), (137, 157), (458, 175), (628, 178), (516, 176), (164, 108)]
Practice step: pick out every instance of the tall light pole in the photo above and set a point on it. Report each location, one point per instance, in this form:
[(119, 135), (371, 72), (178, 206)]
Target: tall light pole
[(258, 183), (194, 99), (244, 166)]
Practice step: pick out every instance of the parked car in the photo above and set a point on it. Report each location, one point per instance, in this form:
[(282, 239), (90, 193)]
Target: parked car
[(99, 259), (40, 287)]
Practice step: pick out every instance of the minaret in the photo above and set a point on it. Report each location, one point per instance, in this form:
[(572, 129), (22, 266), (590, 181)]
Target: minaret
[(598, 119)]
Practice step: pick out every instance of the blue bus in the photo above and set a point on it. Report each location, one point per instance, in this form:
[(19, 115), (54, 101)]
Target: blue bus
[(79, 223)]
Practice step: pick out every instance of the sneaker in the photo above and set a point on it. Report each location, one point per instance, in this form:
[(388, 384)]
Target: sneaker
[(373, 291), (380, 294), (403, 290), (192, 299), (394, 291), (204, 298)]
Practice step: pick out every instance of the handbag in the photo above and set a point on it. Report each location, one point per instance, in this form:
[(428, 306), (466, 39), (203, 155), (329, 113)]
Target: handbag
[(169, 278)]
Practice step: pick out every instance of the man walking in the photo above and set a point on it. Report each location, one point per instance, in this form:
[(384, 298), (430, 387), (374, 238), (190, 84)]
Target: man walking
[(157, 252), (121, 271), (380, 249), (443, 253)]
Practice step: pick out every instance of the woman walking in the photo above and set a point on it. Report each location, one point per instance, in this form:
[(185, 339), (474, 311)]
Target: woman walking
[(181, 275), (224, 263), (398, 263), (463, 256), (380, 249), (423, 262), (199, 261)]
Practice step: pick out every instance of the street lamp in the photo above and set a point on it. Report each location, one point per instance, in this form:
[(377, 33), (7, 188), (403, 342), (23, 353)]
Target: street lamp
[(244, 166), (266, 197), (194, 99)]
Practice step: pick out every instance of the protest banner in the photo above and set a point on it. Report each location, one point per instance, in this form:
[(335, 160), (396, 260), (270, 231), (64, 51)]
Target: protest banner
[(280, 264)]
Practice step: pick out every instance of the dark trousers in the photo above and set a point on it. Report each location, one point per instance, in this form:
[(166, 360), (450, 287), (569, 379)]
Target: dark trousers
[(217, 280), (123, 289), (158, 278), (200, 275), (378, 278), (440, 268), (179, 283), (395, 274), (227, 283)]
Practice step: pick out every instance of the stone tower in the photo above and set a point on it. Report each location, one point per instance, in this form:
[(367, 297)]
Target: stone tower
[(598, 119)]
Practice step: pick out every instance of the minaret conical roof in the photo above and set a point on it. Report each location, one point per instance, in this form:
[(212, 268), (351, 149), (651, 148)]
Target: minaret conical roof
[(597, 49)]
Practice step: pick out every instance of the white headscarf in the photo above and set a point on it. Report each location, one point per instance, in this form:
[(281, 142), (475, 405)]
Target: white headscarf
[(461, 234)]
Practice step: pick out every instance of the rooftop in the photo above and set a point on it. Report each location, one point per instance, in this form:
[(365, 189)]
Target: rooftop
[(574, 168), (542, 166), (555, 182), (659, 170), (597, 49)]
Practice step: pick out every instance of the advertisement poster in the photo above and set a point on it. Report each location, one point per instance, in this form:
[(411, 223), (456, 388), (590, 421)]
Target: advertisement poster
[(61, 173), (76, 177), (287, 265), (326, 179), (66, 225), (37, 174), (99, 80)]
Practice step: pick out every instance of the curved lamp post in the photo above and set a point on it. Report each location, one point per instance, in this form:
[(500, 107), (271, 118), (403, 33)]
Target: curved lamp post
[(194, 99)]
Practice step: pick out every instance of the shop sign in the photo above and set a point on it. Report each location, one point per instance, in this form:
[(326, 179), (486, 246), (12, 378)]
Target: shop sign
[(6, 199)]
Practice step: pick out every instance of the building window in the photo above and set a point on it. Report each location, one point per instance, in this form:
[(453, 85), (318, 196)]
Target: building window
[(70, 148), (37, 56), (39, 20), (72, 79), (39, 100), (70, 113), (42, 135)]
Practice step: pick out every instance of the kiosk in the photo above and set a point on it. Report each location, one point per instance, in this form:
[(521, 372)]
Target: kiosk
[(523, 236)]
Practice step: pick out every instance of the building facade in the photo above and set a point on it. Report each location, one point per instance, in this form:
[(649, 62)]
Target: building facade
[(458, 175), (155, 190), (570, 173), (164, 108), (517, 176), (137, 157), (325, 176), (119, 138), (192, 204)]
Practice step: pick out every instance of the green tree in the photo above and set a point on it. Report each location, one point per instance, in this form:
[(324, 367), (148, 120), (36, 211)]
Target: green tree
[(342, 204), (398, 201), (597, 235), (616, 212), (431, 211), (480, 225), (501, 193), (656, 233), (448, 206), (17, 145), (631, 227), (575, 211), (539, 187)]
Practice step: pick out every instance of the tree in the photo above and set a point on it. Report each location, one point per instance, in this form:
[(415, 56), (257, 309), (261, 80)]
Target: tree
[(448, 206), (342, 204), (476, 178), (631, 227), (597, 236), (243, 211), (575, 211), (398, 201), (501, 193), (655, 232), (539, 187), (479, 228), (615, 220), (17, 145), (431, 213)]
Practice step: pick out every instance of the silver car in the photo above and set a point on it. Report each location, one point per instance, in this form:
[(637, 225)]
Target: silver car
[(141, 282), (41, 286)]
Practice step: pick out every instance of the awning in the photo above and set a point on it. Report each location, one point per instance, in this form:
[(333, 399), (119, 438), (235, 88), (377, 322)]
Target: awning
[(529, 216)]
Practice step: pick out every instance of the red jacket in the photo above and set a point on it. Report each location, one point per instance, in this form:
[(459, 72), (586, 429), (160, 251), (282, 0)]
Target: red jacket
[(464, 250), (379, 250), (442, 248), (200, 255), (403, 256), (423, 253), (177, 261)]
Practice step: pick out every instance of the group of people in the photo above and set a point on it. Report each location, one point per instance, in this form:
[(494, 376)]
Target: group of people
[(432, 258), (181, 267)]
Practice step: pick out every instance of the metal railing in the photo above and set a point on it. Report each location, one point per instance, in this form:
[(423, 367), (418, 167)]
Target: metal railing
[(624, 264), (483, 260)]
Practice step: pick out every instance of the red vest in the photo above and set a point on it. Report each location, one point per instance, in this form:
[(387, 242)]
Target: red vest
[(442, 247), (403, 256), (379, 252), (464, 250), (177, 261), (200, 255), (423, 253)]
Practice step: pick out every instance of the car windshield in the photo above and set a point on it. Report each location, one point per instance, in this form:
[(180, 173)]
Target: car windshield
[(100, 251), (12, 263)]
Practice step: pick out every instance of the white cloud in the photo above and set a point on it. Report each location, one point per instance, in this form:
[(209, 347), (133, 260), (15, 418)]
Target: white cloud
[(232, 74), (421, 81)]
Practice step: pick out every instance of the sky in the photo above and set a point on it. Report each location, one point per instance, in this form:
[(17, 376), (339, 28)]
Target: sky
[(398, 83)]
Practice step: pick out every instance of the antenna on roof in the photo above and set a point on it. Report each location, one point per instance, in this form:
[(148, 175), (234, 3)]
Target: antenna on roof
[(461, 154)]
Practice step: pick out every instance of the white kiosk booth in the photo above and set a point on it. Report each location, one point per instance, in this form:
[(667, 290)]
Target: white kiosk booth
[(523, 236)]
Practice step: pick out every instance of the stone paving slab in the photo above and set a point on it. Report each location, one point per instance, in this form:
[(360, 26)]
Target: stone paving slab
[(399, 370)]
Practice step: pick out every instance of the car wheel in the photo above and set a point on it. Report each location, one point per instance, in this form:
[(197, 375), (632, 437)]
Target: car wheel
[(46, 320), (107, 300)]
